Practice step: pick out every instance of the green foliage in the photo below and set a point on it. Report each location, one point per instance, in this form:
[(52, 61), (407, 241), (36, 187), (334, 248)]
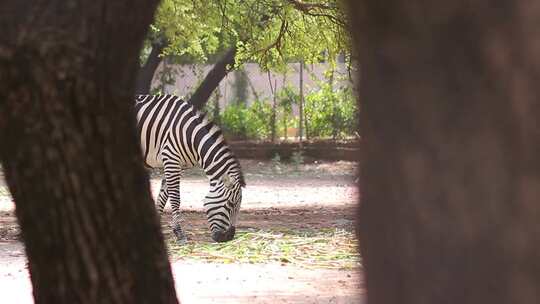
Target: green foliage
[(233, 120), (269, 32), (261, 111), (287, 97), (192, 28), (330, 112), (241, 121)]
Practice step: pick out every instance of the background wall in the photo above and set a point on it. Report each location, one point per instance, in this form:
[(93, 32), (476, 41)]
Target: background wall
[(186, 78)]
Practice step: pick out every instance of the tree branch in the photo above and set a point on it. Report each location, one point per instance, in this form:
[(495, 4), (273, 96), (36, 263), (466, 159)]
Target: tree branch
[(147, 71), (212, 79)]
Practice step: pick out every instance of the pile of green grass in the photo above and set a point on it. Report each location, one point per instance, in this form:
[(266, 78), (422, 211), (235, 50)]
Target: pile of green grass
[(327, 248), (4, 193)]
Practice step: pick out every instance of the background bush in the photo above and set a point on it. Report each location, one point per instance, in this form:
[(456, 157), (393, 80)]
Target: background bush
[(247, 122), (329, 112)]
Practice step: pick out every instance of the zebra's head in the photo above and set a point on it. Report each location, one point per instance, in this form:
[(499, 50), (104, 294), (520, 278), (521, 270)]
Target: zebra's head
[(222, 205)]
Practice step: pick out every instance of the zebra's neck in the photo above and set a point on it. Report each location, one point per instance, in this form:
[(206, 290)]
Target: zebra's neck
[(213, 153), (218, 160)]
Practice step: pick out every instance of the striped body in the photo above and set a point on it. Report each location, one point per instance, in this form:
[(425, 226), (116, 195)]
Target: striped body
[(174, 135)]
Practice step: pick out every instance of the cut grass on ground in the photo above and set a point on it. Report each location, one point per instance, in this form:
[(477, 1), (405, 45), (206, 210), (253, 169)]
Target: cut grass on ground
[(326, 248)]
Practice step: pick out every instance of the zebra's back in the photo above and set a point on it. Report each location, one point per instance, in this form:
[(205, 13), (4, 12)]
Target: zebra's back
[(157, 116)]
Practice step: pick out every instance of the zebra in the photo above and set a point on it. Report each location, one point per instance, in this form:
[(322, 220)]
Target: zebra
[(173, 136)]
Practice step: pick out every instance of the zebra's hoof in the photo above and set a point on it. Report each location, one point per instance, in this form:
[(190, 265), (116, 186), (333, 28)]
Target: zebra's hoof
[(180, 236), (221, 236)]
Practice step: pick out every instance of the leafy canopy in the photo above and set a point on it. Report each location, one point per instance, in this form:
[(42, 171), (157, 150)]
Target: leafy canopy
[(268, 32)]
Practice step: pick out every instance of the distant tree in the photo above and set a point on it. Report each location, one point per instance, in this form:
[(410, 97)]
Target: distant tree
[(450, 176), (230, 33), (240, 86), (70, 152)]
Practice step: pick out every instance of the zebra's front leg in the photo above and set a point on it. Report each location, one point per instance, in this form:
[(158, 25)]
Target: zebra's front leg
[(173, 173), (162, 197)]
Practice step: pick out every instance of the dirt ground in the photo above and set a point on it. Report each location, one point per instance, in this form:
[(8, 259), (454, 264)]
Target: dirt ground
[(278, 196)]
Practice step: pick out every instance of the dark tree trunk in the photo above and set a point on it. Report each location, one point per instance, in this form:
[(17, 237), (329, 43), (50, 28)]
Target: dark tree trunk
[(70, 152), (450, 178), (147, 71), (212, 79)]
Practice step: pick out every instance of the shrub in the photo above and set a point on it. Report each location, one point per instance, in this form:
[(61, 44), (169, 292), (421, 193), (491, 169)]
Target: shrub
[(260, 120), (330, 112), (233, 120), (287, 97), (253, 122)]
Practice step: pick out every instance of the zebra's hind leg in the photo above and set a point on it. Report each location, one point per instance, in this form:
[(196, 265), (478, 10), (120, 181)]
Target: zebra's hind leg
[(173, 173)]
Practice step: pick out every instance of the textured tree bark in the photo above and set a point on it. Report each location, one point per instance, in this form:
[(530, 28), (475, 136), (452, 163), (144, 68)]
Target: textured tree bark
[(212, 79), (450, 178), (147, 71), (70, 152)]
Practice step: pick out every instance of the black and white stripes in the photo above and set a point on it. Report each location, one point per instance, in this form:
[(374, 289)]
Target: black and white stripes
[(175, 135)]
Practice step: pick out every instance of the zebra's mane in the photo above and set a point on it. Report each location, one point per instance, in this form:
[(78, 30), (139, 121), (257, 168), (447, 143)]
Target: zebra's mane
[(202, 118)]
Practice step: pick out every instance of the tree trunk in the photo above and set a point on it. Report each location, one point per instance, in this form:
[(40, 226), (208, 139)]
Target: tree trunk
[(212, 79), (252, 87), (273, 90), (301, 105), (147, 71), (450, 174), (71, 155), (240, 87), (335, 108)]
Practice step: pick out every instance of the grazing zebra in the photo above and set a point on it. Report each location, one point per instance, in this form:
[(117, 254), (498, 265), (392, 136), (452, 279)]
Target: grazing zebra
[(174, 135)]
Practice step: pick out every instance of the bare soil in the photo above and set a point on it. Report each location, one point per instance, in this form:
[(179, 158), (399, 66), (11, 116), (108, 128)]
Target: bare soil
[(278, 196)]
